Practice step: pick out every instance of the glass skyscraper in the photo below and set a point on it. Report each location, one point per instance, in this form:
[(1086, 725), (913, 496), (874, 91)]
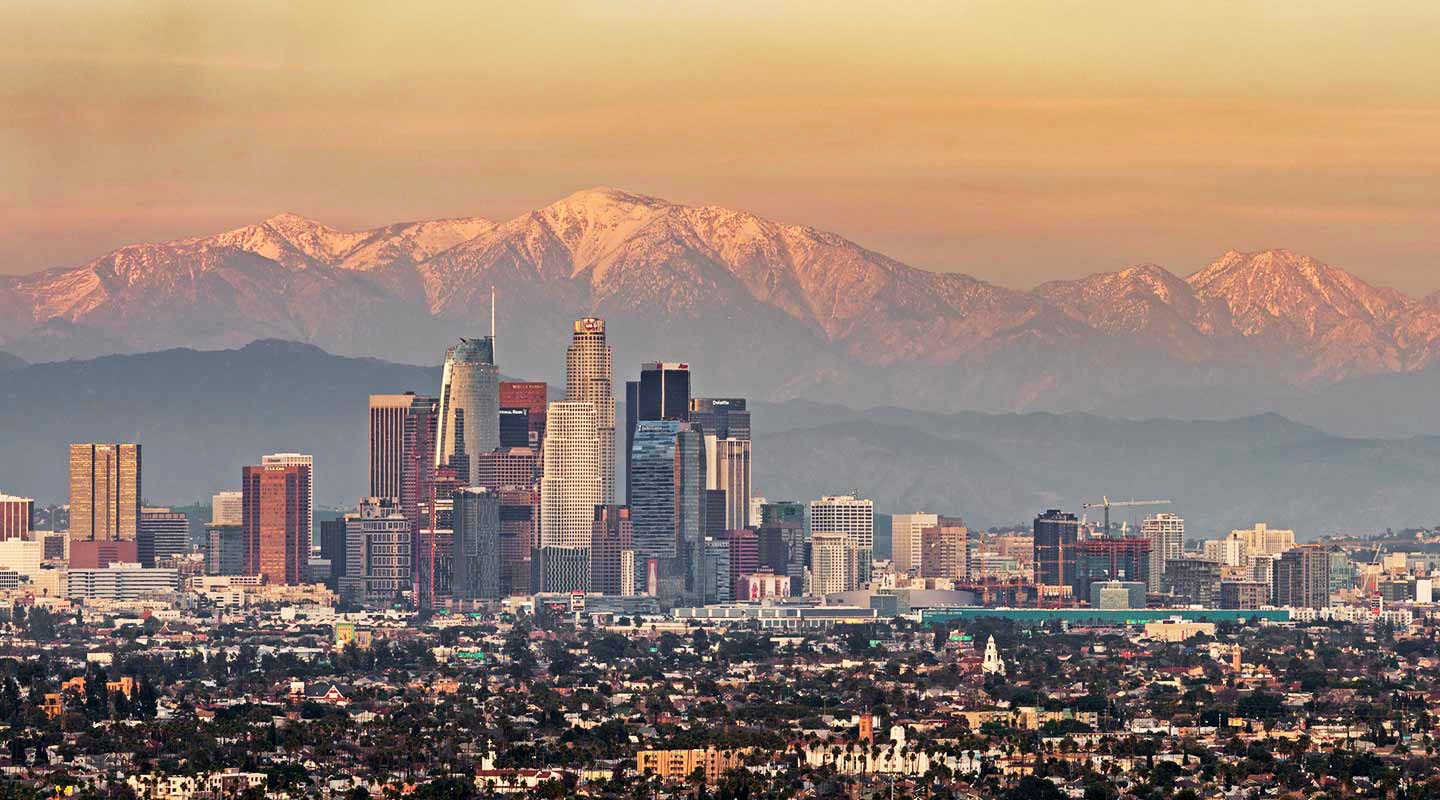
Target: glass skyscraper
[(469, 385), (1055, 535), (476, 570), (663, 392), (667, 496)]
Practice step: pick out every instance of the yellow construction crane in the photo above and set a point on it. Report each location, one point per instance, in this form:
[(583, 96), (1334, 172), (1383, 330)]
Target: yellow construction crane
[(1106, 503)]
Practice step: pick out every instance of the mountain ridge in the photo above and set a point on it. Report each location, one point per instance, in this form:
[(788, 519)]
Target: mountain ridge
[(779, 310)]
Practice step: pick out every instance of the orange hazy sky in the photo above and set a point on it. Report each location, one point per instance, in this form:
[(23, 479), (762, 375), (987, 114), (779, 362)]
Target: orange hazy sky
[(1017, 142)]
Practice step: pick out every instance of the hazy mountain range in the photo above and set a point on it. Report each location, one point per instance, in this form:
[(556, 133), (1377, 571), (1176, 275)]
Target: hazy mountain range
[(202, 415), (763, 308)]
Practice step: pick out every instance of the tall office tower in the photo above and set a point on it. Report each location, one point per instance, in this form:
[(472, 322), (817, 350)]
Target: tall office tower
[(531, 397), (224, 549), (15, 516), (712, 513), (783, 551), (727, 470), (571, 487), (833, 563), (514, 427), (1302, 577), (1342, 573), (417, 458), (854, 517), (1166, 533), (104, 491), (1055, 535), (508, 466), (477, 545), (226, 508), (610, 537), (721, 417), (378, 554), (945, 550), (1109, 559), (663, 392), (299, 460), (782, 512), (387, 442), (519, 536), (905, 539), (469, 399), (715, 584), (332, 549), (276, 520), (667, 492), (589, 379), (162, 533), (433, 559), (744, 555)]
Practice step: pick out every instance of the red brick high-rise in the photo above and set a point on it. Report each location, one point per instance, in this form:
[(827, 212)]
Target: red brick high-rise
[(275, 518)]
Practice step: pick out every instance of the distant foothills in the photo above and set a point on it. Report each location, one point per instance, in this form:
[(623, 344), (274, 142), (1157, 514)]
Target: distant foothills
[(771, 310), (201, 415)]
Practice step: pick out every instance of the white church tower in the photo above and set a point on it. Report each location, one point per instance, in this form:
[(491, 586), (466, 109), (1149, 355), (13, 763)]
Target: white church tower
[(992, 664)]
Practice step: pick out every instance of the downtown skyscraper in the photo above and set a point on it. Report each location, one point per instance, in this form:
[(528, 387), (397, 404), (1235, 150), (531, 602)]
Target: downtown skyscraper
[(298, 460), (1166, 533), (387, 442), (667, 503), (275, 517), (854, 517), (725, 423), (1055, 535), (104, 492), (588, 379), (469, 403), (569, 492), (477, 563), (522, 413), (663, 392)]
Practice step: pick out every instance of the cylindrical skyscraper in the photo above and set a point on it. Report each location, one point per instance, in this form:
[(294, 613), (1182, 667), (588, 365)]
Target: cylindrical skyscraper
[(588, 379), (470, 384)]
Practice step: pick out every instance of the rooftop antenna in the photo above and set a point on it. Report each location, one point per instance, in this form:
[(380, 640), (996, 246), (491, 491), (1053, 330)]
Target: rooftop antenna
[(492, 312)]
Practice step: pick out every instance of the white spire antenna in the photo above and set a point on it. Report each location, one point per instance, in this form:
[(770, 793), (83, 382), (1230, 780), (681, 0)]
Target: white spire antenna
[(492, 311)]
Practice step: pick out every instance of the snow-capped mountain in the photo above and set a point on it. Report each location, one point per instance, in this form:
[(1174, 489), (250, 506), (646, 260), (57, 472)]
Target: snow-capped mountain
[(1275, 308), (763, 307)]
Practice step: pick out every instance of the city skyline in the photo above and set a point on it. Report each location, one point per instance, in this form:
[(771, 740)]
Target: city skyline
[(896, 313)]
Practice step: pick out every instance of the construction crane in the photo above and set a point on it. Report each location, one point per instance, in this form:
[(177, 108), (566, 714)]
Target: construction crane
[(1105, 503)]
